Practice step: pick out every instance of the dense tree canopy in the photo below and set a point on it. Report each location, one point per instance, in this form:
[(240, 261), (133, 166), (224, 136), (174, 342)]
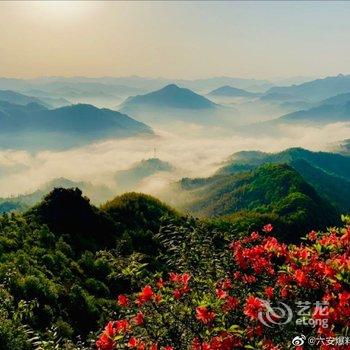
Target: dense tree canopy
[(64, 261)]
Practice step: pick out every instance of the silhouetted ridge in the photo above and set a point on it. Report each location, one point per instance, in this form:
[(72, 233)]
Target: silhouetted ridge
[(170, 96), (230, 91), (63, 127), (67, 212)]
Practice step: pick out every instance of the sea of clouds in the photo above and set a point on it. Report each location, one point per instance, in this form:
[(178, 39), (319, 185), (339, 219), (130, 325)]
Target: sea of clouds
[(194, 151)]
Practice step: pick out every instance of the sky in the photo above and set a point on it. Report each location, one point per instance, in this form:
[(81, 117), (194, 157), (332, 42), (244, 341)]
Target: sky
[(174, 39)]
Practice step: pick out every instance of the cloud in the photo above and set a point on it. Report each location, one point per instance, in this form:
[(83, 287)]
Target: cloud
[(194, 152)]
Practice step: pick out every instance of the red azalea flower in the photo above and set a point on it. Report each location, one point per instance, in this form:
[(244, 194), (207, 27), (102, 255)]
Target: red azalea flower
[(196, 344), (185, 278), (145, 295), (269, 345), (344, 298), (177, 293), (312, 236), (133, 342), (301, 277), (230, 304), (225, 341), (105, 342), (123, 300), (269, 292), (257, 330), (253, 306), (221, 294), (248, 279), (284, 292), (179, 278), (139, 318), (204, 315), (254, 236), (226, 284), (237, 275), (121, 326), (267, 228)]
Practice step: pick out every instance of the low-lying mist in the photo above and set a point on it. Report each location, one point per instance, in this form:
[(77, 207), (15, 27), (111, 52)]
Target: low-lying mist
[(192, 150)]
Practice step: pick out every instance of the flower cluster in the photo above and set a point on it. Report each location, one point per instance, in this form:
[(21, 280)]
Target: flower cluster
[(182, 311)]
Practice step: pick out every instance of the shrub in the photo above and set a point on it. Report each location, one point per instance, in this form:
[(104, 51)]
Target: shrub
[(230, 308)]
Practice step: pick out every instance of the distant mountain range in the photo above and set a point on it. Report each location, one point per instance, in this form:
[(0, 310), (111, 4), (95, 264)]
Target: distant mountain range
[(142, 84), (98, 194), (35, 127), (17, 98), (323, 114), (277, 97), (173, 104), (21, 99), (306, 89), (230, 91), (330, 110), (126, 180), (342, 147), (345, 149), (315, 90), (340, 99)]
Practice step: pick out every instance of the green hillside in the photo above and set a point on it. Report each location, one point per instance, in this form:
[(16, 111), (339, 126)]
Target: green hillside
[(63, 261), (68, 259), (328, 173), (273, 190), (332, 163)]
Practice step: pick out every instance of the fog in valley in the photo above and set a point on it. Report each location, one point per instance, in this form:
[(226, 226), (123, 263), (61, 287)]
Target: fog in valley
[(192, 142)]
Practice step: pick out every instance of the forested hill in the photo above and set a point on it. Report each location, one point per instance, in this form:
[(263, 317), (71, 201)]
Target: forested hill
[(276, 190), (332, 163), (328, 173), (63, 261)]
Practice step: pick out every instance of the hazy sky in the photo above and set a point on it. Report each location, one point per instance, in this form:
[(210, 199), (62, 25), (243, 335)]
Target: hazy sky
[(174, 39)]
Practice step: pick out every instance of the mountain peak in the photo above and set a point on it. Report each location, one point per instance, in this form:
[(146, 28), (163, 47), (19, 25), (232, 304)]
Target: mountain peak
[(171, 87), (170, 96), (231, 91), (71, 126)]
